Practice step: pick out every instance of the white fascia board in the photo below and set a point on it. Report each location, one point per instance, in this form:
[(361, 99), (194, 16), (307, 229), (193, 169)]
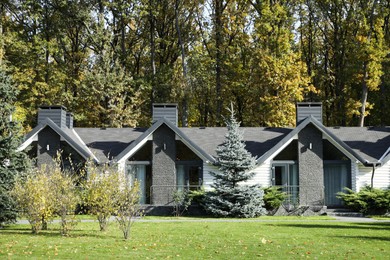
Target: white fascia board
[(271, 157), (342, 149), (135, 149), (178, 137), (27, 142), (385, 154), (90, 152)]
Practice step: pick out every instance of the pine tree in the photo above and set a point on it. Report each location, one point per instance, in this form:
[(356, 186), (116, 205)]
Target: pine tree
[(231, 196), (12, 162)]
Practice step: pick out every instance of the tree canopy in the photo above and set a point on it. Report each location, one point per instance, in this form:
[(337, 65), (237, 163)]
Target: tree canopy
[(107, 61), (12, 162)]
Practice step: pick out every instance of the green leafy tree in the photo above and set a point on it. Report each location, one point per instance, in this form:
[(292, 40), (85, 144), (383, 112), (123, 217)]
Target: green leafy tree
[(101, 191), (279, 78), (344, 46), (34, 196), (128, 206), (66, 196), (12, 161), (231, 196)]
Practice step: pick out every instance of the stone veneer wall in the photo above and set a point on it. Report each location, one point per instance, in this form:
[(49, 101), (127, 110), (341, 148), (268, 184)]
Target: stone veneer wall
[(163, 166), (311, 170), (47, 137)]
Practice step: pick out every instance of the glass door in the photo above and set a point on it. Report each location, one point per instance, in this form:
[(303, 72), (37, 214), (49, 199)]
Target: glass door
[(188, 176), (336, 178), (285, 175), (138, 172)]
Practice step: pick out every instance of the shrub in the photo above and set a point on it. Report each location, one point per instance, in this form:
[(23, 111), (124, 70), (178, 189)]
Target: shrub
[(66, 198), (273, 198), (128, 207), (181, 201), (100, 193), (197, 196), (47, 192), (34, 197), (367, 201)]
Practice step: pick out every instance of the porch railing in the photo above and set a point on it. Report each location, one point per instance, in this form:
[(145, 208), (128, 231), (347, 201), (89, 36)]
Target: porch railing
[(303, 195), (163, 194), (297, 195)]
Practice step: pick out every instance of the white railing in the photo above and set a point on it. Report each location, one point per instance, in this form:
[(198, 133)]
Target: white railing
[(165, 192), (303, 195)]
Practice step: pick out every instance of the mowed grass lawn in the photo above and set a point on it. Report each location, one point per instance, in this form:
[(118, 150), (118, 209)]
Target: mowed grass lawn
[(271, 239)]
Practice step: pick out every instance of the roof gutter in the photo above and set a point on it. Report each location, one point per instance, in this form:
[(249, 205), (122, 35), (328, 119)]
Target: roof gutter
[(385, 154), (372, 164)]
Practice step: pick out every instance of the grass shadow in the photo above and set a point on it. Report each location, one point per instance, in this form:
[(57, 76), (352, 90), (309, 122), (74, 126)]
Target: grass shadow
[(55, 233), (386, 239), (381, 226)]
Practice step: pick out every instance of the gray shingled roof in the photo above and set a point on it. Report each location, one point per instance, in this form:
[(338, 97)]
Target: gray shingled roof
[(106, 143), (110, 142), (369, 142), (258, 140)]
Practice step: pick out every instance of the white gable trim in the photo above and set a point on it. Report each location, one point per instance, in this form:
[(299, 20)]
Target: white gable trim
[(135, 148), (28, 141)]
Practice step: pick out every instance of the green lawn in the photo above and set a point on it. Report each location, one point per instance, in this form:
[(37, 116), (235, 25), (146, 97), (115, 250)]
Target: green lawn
[(282, 239)]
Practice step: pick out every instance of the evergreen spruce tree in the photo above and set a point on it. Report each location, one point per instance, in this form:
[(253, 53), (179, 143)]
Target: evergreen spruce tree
[(231, 197), (12, 162)]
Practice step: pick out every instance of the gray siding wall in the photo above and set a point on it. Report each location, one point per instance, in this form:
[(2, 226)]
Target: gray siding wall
[(163, 165), (311, 170), (47, 137)]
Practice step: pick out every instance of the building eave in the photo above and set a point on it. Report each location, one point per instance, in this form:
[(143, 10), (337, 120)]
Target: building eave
[(29, 138), (141, 140), (329, 135)]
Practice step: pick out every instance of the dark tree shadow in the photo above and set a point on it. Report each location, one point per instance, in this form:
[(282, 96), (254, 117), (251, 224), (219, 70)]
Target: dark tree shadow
[(365, 238), (376, 225)]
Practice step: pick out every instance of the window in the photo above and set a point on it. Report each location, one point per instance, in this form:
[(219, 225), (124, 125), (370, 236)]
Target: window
[(141, 173), (285, 175), (188, 176), (337, 176)]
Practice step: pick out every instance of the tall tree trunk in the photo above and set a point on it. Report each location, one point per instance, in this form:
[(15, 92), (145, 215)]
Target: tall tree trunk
[(47, 38), (184, 118), (218, 59), (152, 53), (1, 33), (365, 72), (364, 96)]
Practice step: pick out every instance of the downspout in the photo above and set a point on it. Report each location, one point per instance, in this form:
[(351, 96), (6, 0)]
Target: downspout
[(373, 165)]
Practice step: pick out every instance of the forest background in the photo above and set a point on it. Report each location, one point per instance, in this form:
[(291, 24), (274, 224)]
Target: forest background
[(107, 61)]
